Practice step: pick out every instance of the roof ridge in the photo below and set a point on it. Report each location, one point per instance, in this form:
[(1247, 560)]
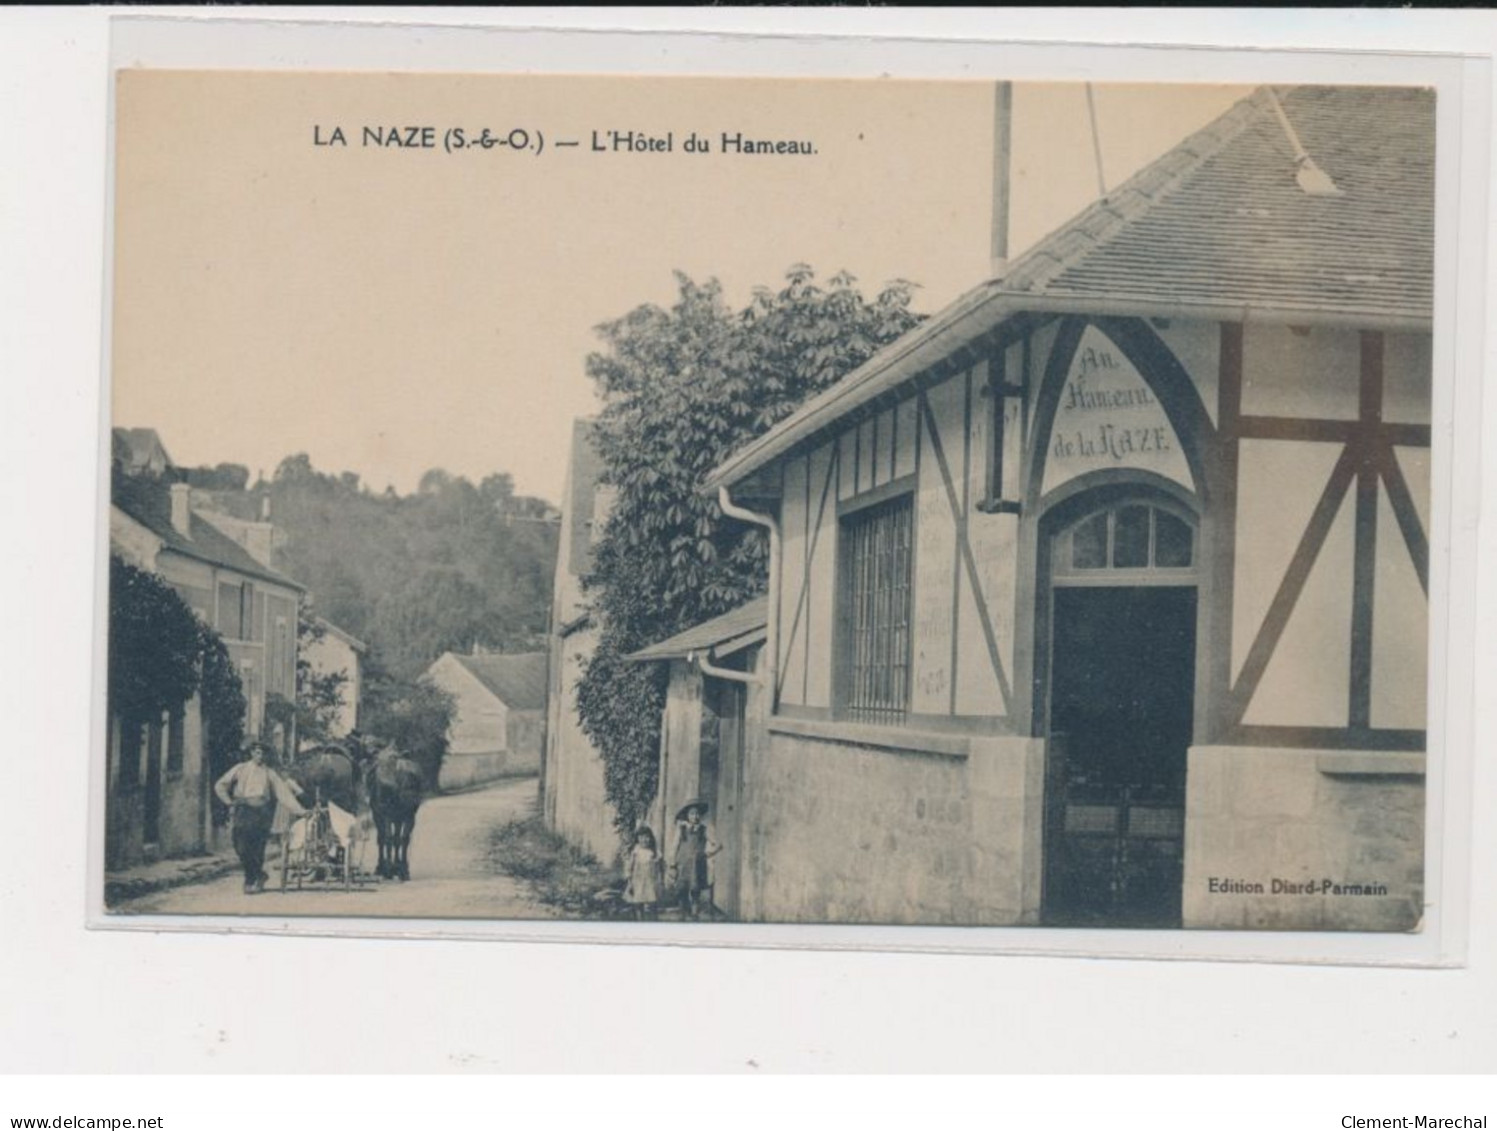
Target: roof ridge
[(1101, 220)]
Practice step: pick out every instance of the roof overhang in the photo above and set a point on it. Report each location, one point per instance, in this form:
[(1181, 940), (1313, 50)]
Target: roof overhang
[(972, 324), (667, 650), (715, 639)]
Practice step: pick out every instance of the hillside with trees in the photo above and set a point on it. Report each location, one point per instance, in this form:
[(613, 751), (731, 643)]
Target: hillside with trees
[(448, 567)]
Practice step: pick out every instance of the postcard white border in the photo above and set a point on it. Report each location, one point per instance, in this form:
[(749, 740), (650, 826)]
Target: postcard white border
[(275, 45), (580, 1003)]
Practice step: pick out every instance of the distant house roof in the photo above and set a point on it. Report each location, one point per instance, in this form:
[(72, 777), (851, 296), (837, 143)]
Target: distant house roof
[(719, 636), (153, 511), (1218, 227), (518, 681), (141, 448), (348, 638)]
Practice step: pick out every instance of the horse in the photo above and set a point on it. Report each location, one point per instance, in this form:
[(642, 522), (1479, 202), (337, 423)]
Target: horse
[(330, 773), (395, 787)]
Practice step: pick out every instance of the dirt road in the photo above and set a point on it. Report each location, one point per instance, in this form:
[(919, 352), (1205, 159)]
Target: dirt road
[(451, 876)]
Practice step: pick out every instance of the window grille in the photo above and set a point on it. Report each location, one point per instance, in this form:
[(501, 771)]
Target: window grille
[(877, 552)]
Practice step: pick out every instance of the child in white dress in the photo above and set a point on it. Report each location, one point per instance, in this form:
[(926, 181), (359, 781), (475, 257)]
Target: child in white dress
[(642, 874)]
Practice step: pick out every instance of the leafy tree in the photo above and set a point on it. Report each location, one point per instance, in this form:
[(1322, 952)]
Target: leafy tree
[(682, 388), (412, 716), (161, 655), (319, 695), (224, 707), (224, 477), (155, 645)]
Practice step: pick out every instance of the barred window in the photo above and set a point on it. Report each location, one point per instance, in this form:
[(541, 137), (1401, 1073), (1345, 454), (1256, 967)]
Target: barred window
[(876, 552)]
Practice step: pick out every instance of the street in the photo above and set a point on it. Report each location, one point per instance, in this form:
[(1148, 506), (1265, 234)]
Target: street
[(451, 875)]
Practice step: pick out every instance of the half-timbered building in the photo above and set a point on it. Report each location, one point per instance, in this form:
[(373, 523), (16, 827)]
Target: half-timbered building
[(1101, 596)]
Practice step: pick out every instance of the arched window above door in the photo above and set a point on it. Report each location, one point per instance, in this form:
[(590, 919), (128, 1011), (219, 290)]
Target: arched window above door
[(1125, 540)]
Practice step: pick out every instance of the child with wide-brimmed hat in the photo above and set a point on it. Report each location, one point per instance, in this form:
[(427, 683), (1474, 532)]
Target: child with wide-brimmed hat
[(692, 869)]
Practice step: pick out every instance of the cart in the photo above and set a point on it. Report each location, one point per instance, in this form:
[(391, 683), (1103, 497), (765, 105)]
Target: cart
[(325, 844)]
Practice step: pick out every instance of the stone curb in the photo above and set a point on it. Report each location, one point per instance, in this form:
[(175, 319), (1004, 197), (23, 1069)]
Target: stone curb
[(122, 886)]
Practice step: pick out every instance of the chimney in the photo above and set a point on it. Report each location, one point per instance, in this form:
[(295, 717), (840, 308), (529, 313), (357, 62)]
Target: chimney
[(259, 540), (1003, 112), (182, 509)]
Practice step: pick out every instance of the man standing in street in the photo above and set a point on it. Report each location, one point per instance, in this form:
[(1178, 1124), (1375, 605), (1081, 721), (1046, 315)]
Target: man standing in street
[(251, 790)]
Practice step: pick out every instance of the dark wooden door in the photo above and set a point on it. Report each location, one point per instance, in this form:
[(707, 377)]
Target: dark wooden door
[(724, 777), (1121, 709)]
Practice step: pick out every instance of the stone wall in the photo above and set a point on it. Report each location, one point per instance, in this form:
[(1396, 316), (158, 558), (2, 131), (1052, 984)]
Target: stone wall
[(574, 803), (843, 831), (525, 735), (1296, 839), (184, 795)]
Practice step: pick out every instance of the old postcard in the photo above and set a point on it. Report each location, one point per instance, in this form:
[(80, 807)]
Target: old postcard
[(756, 501)]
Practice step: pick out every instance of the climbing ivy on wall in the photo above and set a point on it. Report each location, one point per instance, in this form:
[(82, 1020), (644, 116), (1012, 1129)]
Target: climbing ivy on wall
[(161, 654), (682, 388)]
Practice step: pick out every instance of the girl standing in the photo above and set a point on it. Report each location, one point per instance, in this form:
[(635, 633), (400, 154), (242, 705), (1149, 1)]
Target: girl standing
[(642, 873)]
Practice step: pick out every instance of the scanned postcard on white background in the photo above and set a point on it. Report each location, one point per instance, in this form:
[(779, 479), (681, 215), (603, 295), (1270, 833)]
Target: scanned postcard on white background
[(713, 501)]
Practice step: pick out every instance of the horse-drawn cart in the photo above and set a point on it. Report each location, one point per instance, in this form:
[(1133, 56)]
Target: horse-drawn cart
[(322, 847), (325, 844)]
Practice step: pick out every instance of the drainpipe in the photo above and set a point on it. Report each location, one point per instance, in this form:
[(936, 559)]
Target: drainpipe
[(707, 667), (772, 618)]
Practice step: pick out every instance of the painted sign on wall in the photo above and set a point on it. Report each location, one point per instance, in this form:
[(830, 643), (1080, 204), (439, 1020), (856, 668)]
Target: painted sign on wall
[(1109, 417)]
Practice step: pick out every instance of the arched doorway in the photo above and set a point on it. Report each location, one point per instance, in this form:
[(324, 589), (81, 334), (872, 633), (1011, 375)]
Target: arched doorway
[(1121, 597)]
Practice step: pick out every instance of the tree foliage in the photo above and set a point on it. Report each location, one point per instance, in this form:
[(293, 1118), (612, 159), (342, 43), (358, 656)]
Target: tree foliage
[(443, 569), (319, 694), (155, 645), (413, 716), (224, 707), (682, 388), (161, 655)]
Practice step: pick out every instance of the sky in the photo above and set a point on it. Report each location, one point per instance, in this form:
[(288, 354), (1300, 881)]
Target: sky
[(388, 309)]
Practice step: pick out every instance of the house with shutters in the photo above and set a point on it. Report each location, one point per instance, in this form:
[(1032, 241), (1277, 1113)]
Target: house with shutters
[(158, 779), (1100, 598)]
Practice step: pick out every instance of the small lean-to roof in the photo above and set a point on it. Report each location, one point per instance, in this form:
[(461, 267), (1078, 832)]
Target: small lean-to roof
[(204, 542), (719, 636), (518, 681), (1217, 228)]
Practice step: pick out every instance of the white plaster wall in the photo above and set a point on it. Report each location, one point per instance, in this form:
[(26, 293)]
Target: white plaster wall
[(1255, 816)]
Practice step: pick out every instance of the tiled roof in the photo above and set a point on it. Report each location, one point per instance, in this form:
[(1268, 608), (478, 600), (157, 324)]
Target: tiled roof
[(1221, 219), (720, 635), (518, 681), (1216, 228), (203, 542)]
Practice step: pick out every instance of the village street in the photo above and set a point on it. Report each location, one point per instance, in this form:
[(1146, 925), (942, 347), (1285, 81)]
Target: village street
[(451, 874)]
